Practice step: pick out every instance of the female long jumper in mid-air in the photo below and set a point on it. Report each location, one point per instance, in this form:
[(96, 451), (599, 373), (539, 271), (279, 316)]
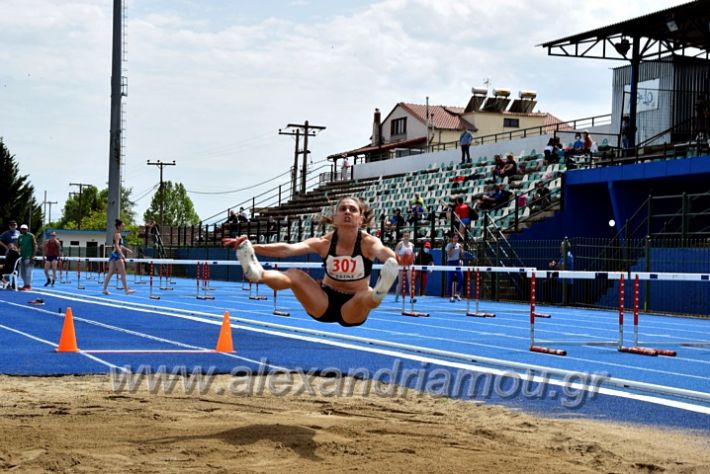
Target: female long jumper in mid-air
[(344, 296)]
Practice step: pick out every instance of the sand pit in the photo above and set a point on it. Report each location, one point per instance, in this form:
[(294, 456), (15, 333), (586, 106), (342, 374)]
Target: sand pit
[(80, 424)]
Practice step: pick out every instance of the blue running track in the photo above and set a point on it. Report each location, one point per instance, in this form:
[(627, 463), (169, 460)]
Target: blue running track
[(119, 332)]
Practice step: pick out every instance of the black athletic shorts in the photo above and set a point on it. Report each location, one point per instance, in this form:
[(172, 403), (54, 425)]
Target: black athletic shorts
[(332, 314)]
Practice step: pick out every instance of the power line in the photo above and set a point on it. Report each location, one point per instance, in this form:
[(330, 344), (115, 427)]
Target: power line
[(241, 189)]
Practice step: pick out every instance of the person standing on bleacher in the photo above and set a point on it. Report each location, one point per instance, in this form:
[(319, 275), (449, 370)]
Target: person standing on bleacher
[(465, 140)]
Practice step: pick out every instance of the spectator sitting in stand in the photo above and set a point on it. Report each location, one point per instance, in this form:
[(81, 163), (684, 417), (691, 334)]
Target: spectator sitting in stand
[(510, 167), (587, 143), (551, 152), (395, 222), (577, 145), (541, 196), (243, 215), (496, 196), (416, 213), (499, 165), (233, 218), (417, 207)]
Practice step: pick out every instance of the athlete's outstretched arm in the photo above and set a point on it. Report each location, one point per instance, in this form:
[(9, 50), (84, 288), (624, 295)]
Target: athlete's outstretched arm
[(312, 245), (381, 252)]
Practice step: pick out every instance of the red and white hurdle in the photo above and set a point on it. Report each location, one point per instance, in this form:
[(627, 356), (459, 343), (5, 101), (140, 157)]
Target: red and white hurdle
[(202, 276), (412, 293), (636, 348), (477, 313), (533, 315)]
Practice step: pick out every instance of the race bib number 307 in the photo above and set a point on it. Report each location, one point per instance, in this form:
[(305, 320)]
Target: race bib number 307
[(346, 268)]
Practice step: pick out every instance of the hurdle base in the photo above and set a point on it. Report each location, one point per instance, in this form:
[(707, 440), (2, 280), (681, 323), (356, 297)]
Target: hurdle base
[(548, 350), (139, 283), (666, 352), (478, 314), (543, 315), (639, 350), (280, 313), (205, 297), (258, 298), (153, 297), (415, 314), (166, 288), (81, 287)]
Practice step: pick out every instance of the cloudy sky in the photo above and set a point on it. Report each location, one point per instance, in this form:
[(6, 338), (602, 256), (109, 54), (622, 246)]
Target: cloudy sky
[(210, 82)]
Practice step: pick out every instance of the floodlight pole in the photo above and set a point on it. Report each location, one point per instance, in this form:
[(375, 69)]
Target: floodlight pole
[(113, 205)]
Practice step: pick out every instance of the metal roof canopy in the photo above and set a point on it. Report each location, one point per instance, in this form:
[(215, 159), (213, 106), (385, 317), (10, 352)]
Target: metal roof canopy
[(683, 30)]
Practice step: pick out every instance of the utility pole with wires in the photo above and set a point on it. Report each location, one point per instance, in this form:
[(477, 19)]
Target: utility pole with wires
[(306, 130), (160, 165), (81, 202), (48, 204)]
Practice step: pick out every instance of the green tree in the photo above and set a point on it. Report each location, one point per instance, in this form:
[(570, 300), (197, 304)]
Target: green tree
[(17, 200), (91, 209), (128, 213), (177, 208), (78, 207)]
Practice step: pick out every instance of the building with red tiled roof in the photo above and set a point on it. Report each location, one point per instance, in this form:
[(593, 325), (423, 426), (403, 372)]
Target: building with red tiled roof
[(416, 128)]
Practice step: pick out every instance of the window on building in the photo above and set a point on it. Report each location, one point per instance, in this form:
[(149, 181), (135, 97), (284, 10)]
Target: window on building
[(511, 123), (399, 126), (74, 243)]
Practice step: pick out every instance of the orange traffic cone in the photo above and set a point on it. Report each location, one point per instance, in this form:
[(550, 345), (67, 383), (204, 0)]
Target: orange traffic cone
[(67, 341), (224, 343)]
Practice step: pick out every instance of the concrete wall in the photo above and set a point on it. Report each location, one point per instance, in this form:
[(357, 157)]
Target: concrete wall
[(416, 162)]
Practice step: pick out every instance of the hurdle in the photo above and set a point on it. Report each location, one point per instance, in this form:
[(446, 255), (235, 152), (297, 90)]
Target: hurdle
[(412, 285), (257, 296), (201, 280), (64, 271), (636, 348), (90, 266), (276, 311), (477, 313), (138, 275), (101, 273), (171, 279), (206, 277), (533, 347), (79, 286), (165, 273), (150, 284)]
